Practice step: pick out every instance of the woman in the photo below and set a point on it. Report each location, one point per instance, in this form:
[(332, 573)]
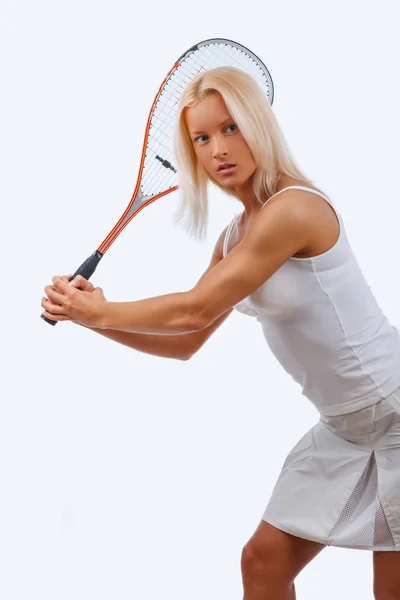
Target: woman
[(286, 260)]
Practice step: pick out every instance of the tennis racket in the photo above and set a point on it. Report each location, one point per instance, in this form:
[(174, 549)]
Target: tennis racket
[(157, 175)]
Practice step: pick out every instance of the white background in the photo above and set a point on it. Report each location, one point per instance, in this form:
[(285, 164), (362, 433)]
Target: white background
[(125, 475)]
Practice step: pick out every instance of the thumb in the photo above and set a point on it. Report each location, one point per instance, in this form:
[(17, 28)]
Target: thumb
[(99, 292)]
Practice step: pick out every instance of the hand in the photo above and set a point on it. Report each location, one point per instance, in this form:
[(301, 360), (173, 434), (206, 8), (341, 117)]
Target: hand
[(77, 301)]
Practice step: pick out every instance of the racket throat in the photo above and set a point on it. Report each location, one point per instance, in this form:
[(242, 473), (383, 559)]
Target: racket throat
[(137, 203)]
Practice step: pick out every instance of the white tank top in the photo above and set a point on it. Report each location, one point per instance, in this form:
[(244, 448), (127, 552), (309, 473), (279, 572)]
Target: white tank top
[(323, 324)]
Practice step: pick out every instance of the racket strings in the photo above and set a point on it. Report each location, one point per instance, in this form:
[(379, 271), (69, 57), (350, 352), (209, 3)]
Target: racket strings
[(157, 173)]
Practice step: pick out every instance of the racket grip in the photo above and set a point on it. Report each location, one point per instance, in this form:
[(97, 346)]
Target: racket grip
[(86, 269)]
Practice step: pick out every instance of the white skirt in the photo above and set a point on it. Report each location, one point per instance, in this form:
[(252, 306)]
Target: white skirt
[(340, 484)]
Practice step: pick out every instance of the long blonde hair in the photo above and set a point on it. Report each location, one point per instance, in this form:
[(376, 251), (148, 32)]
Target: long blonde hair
[(252, 112)]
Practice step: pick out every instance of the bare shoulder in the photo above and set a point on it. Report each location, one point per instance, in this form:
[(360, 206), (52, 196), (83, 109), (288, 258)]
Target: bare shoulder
[(301, 204), (308, 211)]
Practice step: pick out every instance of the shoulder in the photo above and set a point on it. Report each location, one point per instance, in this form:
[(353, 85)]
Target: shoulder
[(300, 207), (293, 207), (288, 221), (291, 198)]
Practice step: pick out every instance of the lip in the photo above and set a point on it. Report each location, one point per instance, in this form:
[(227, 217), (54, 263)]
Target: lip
[(227, 171)]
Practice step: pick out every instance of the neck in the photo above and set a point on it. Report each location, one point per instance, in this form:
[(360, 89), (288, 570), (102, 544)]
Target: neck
[(248, 199)]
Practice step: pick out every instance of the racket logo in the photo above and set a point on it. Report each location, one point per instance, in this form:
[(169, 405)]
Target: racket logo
[(166, 163)]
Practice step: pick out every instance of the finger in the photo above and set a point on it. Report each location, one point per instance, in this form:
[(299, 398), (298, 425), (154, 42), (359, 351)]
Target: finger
[(53, 309), (82, 284), (60, 285), (54, 296), (66, 278)]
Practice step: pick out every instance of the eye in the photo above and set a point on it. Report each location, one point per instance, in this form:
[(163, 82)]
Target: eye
[(231, 127), (199, 138)]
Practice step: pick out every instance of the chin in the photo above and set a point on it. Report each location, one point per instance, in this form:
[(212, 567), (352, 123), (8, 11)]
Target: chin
[(229, 185), (234, 182)]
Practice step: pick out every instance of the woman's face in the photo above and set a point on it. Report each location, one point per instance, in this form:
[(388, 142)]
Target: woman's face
[(217, 141)]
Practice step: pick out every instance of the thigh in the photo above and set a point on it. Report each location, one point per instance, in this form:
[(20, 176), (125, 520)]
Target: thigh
[(282, 551), (386, 574)]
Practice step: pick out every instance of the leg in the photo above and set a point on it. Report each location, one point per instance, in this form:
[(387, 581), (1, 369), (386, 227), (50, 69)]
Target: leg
[(271, 560), (387, 575)]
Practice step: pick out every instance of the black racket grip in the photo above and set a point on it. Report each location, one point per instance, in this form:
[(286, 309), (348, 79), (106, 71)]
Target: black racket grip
[(86, 269)]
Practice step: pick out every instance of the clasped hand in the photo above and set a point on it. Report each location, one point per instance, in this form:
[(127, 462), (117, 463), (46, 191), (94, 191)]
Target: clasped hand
[(77, 300)]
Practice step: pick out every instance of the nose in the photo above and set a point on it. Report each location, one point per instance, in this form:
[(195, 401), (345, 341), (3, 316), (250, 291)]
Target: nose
[(219, 148)]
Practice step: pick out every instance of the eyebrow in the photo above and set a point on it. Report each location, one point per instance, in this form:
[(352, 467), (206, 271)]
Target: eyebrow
[(223, 122)]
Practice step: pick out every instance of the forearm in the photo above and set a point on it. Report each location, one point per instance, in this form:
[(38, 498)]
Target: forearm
[(171, 314), (179, 347)]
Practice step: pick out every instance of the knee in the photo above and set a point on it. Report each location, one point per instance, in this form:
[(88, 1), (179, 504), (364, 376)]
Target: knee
[(262, 559)]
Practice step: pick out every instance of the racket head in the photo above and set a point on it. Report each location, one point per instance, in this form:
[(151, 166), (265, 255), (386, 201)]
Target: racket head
[(221, 52), (157, 174)]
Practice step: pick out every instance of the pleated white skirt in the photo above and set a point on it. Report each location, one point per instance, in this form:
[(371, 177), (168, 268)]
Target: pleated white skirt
[(340, 484)]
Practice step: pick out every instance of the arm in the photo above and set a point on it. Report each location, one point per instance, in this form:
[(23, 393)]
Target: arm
[(279, 230), (180, 347), (282, 229)]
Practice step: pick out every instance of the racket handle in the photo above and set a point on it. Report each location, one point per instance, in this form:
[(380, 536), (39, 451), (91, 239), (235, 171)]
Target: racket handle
[(86, 269)]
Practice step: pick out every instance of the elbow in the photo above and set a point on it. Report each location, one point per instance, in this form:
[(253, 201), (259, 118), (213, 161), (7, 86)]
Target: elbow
[(200, 320), (197, 316), (188, 354)]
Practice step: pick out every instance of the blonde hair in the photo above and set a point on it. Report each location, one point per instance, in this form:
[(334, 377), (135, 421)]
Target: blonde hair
[(252, 112)]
